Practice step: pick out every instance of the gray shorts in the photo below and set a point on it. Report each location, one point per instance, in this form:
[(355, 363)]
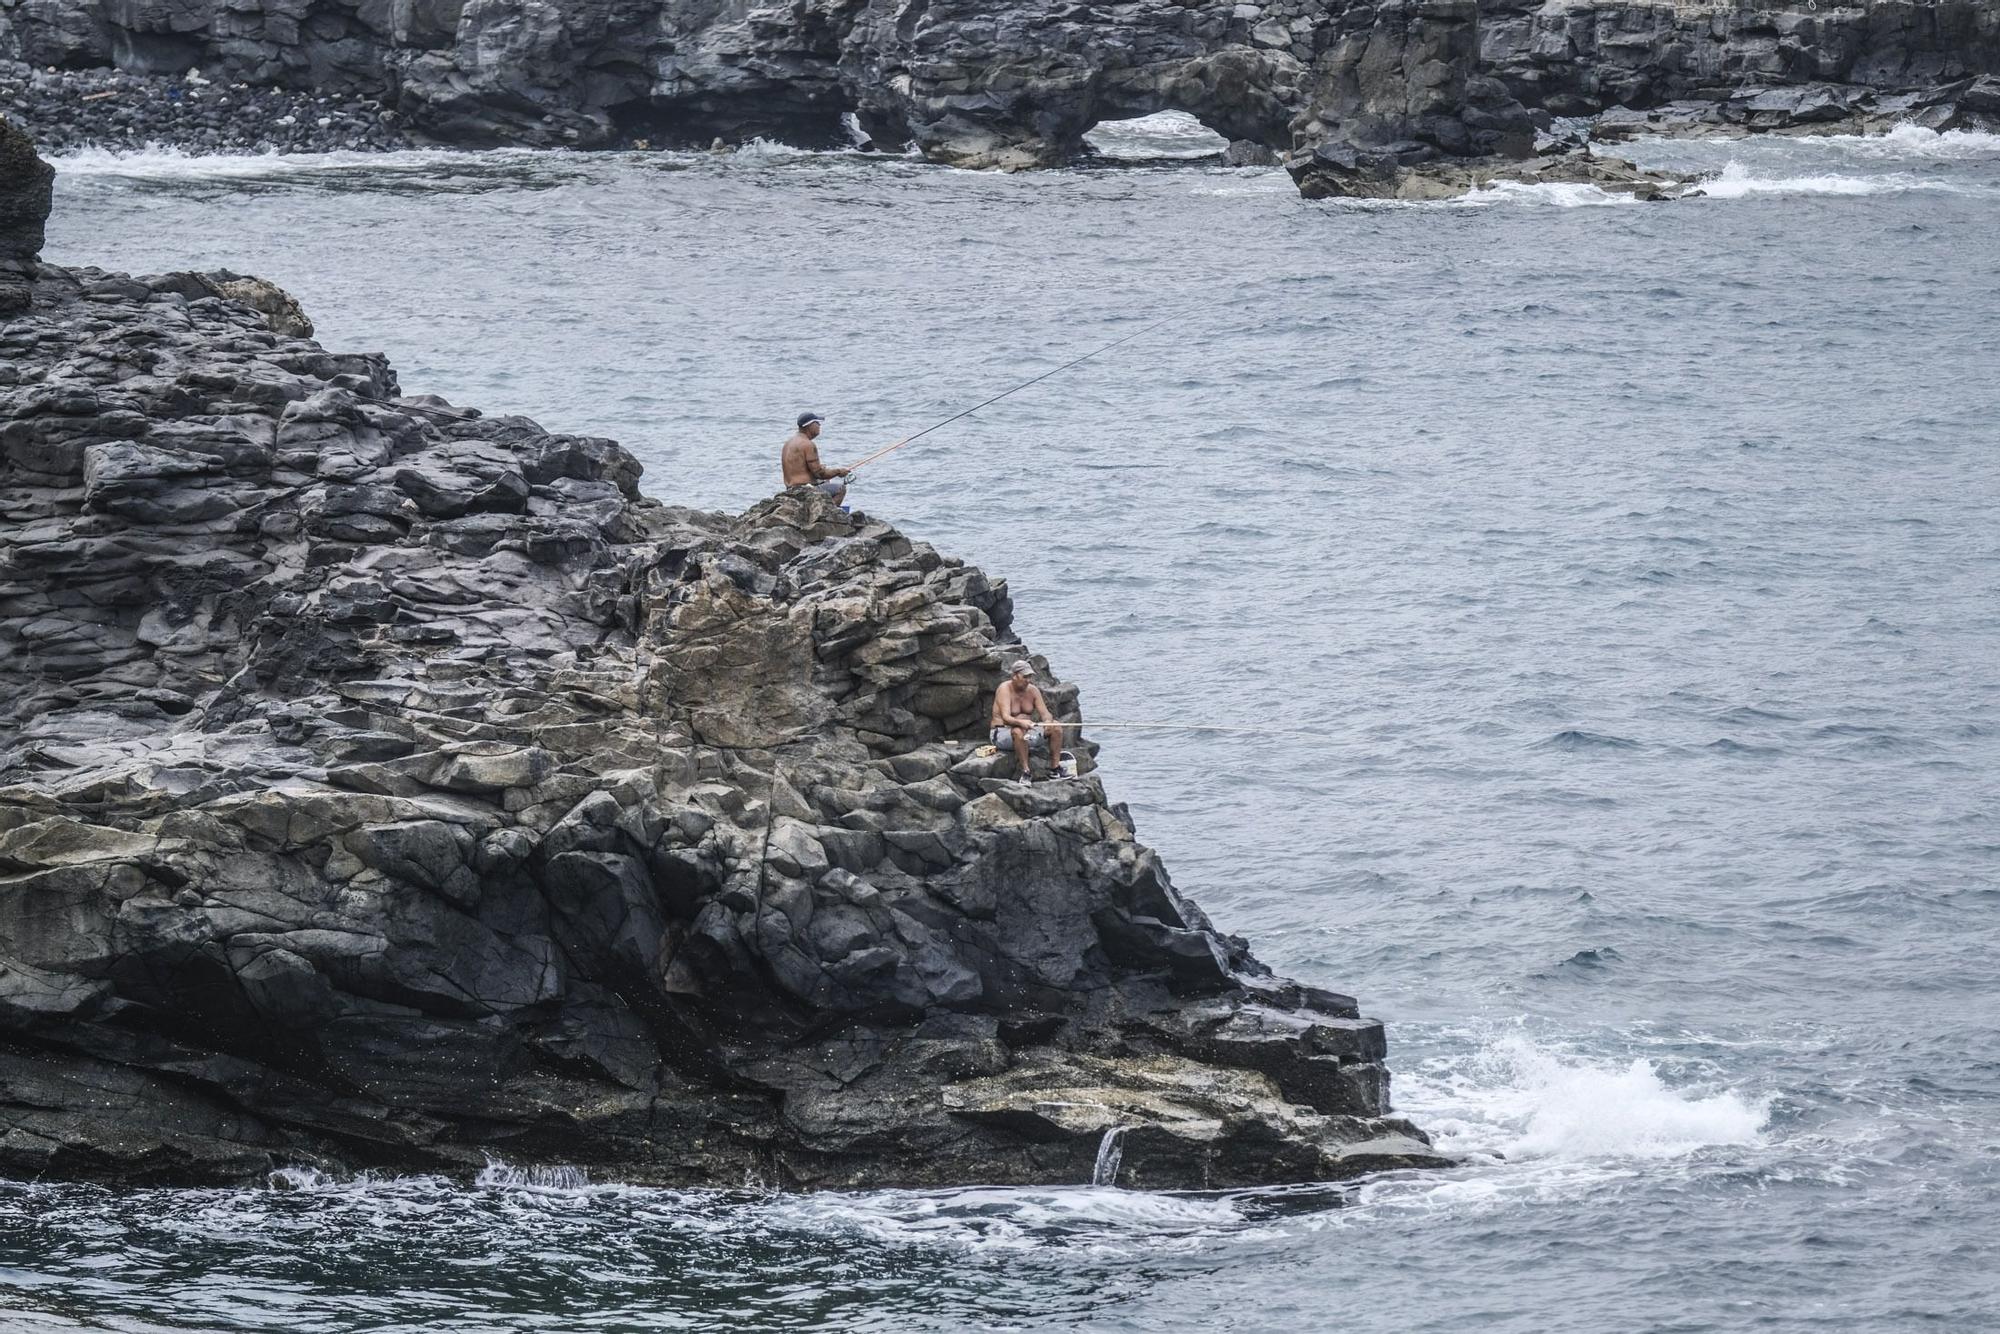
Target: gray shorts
[(832, 486), (1003, 737)]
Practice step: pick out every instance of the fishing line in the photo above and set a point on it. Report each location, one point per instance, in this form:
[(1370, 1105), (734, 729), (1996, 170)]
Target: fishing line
[(1251, 729), (1029, 384)]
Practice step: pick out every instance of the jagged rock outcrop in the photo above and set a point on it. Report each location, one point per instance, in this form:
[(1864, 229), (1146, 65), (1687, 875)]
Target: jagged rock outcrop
[(1576, 57), (27, 187), (385, 784), (27, 191), (1339, 172)]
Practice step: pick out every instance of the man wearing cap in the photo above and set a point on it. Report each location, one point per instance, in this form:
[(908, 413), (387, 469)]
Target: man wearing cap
[(801, 460), (1017, 706)]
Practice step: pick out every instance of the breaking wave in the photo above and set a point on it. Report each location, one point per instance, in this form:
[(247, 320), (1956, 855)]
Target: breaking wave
[(1515, 1100), (1548, 194), (1921, 143), (155, 162), (1737, 181)]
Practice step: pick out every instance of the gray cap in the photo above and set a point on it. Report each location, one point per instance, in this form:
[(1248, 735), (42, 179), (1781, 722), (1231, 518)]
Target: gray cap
[(1022, 667), (808, 418)]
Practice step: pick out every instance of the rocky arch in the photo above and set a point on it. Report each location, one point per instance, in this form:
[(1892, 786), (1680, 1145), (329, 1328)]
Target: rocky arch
[(967, 81), (1021, 88), (1239, 99)]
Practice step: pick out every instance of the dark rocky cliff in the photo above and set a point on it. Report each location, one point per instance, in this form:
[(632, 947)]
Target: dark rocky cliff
[(1574, 57), (385, 784), (1352, 93), (967, 82)]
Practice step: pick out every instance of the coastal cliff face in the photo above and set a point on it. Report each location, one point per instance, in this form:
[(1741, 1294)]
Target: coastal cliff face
[(967, 83), (1355, 95), (1576, 57), (382, 784)]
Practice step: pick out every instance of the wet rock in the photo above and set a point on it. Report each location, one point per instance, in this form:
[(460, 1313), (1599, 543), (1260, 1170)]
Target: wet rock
[(280, 310), (1336, 172), (27, 186), (1812, 109), (384, 785), (1245, 153)]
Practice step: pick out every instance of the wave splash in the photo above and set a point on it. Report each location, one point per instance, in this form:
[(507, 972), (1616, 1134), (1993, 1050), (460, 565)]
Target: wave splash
[(158, 162), (1515, 1100), (1737, 181)]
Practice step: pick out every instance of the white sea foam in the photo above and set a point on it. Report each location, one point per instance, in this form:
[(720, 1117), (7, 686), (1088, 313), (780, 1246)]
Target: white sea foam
[(1916, 141), (1164, 134), (1549, 194), (1516, 1099), (1904, 143), (1582, 1112), (497, 1175), (1534, 1124), (298, 1179), (1096, 1219), (998, 1219), (153, 162), (1737, 181)]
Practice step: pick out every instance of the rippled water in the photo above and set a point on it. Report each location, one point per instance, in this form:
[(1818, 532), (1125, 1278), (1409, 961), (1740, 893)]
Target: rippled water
[(1617, 582)]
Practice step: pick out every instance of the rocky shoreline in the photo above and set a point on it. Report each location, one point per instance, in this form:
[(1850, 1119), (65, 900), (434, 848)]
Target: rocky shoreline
[(971, 85), (384, 785), (66, 111)]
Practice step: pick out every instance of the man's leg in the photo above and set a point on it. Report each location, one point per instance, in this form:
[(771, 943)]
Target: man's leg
[(1021, 750), (1053, 731)]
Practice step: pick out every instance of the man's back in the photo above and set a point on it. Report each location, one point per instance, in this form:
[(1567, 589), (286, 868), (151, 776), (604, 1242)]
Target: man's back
[(797, 458)]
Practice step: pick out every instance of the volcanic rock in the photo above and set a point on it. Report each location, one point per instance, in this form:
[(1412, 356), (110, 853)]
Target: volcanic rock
[(979, 85), (967, 83), (1577, 57), (387, 785), (1336, 172), (27, 188)]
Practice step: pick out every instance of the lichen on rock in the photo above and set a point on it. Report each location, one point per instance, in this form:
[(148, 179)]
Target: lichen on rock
[(385, 784)]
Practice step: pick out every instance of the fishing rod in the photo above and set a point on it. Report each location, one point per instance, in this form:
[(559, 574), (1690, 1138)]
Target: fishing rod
[(912, 439), (1184, 727)]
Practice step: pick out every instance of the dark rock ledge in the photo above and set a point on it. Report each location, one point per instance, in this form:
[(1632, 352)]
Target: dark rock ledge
[(382, 784)]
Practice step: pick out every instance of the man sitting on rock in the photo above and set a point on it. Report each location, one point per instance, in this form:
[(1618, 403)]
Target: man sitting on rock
[(1017, 705), (801, 459)]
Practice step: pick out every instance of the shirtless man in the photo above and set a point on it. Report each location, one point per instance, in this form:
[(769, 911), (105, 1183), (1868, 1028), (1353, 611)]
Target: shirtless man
[(801, 459), (1017, 705)]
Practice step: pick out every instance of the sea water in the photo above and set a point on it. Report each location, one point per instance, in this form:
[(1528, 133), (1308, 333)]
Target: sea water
[(1617, 582)]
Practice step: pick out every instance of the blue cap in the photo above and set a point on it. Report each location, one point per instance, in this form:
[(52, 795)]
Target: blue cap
[(808, 418)]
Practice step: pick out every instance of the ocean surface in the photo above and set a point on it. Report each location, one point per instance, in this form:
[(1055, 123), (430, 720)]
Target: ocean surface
[(1610, 589)]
